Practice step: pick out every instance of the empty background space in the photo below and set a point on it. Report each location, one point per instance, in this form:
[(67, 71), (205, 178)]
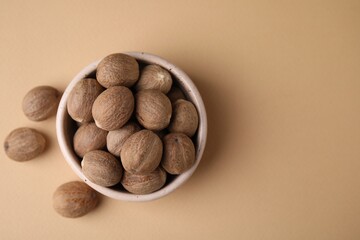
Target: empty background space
[(280, 81)]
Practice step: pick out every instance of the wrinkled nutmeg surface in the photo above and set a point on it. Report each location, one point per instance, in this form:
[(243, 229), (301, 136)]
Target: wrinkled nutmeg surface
[(117, 70), (184, 118), (179, 153), (40, 103), (135, 116), (145, 183), (74, 199), (116, 139), (23, 144), (153, 109), (89, 137), (175, 93), (154, 77), (113, 108), (102, 168), (81, 98), (141, 152)]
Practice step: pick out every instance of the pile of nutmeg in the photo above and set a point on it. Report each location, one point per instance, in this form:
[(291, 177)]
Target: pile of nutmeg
[(133, 129), (130, 131)]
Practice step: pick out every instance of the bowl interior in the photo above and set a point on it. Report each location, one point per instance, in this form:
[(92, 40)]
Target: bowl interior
[(66, 128)]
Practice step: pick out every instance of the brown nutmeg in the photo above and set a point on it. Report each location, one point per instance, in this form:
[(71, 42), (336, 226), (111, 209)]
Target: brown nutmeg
[(40, 103), (141, 152), (102, 168), (184, 118), (175, 93), (179, 153), (74, 199), (81, 99), (153, 109), (89, 137), (113, 108), (23, 144), (154, 77), (115, 139), (117, 70), (144, 184)]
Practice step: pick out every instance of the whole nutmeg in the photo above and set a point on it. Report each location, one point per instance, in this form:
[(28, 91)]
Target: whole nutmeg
[(40, 103), (74, 199), (175, 93), (154, 77), (117, 70), (23, 144), (179, 153), (113, 108), (184, 118), (81, 99), (115, 139), (141, 152), (102, 168), (153, 109), (89, 137), (145, 183)]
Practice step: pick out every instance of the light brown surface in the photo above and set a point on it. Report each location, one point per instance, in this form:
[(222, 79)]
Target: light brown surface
[(280, 80)]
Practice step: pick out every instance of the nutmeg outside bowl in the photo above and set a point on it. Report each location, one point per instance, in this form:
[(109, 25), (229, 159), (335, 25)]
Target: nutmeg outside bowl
[(65, 129)]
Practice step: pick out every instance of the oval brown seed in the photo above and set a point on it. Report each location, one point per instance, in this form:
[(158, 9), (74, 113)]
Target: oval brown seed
[(153, 109), (141, 152), (40, 103), (117, 70), (116, 138), (154, 77), (23, 144), (184, 118), (89, 137), (102, 168), (74, 199), (144, 184), (179, 153), (113, 108), (81, 99)]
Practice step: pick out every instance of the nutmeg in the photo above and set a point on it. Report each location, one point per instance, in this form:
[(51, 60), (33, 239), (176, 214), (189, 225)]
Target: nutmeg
[(141, 152), (113, 108), (40, 103), (74, 199), (102, 168), (184, 118), (144, 184), (153, 109), (81, 98), (179, 153), (117, 70), (23, 144), (175, 93), (89, 137), (154, 77), (115, 139)]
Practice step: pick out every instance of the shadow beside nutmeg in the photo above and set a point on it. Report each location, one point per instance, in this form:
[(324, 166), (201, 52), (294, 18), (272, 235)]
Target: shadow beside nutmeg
[(219, 115)]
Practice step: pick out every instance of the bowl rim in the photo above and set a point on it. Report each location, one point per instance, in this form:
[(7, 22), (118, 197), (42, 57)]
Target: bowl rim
[(192, 93)]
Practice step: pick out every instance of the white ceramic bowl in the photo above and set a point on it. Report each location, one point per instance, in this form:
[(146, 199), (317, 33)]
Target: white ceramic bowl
[(65, 129)]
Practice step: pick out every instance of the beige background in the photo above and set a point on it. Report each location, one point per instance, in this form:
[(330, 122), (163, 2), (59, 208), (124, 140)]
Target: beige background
[(280, 80)]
